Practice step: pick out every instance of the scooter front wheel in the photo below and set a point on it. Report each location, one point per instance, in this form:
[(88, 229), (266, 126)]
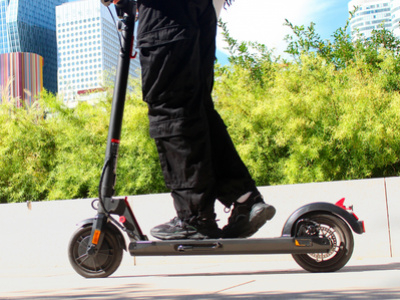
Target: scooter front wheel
[(102, 264), (339, 235)]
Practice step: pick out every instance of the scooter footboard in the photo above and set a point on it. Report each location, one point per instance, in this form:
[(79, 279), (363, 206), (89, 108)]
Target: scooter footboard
[(280, 245)]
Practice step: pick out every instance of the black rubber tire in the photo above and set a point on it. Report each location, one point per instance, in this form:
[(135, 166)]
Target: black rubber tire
[(341, 237), (101, 265)]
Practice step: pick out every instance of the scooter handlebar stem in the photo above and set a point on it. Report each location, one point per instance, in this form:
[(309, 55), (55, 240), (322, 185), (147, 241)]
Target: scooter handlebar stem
[(126, 9)]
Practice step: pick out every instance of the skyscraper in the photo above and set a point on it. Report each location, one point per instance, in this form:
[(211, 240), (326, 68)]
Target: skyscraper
[(371, 14), (88, 46), (3, 26), (395, 10), (30, 26)]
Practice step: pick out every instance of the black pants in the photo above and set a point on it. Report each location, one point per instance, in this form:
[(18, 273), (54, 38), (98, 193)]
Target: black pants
[(176, 39)]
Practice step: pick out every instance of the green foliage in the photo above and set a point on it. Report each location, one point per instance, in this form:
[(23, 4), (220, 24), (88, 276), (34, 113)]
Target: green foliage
[(252, 56), (26, 149), (341, 50), (80, 136), (50, 151), (329, 113)]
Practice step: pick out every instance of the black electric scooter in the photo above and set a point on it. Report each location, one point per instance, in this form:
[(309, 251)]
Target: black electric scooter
[(318, 235)]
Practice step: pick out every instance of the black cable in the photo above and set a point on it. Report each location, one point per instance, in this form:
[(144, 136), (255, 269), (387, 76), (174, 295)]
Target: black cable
[(103, 171)]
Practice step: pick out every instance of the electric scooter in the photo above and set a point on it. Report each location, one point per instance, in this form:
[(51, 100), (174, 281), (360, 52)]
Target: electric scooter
[(317, 235)]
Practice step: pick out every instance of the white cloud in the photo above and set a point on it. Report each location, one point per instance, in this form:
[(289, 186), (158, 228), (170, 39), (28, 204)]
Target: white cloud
[(262, 20)]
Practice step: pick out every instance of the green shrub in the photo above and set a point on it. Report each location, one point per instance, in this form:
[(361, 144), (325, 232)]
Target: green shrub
[(329, 113)]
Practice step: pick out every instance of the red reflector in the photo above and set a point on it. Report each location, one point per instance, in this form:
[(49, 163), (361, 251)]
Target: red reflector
[(340, 203), (115, 141), (122, 219)]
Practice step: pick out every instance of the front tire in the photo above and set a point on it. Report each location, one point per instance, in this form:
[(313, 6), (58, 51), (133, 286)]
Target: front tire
[(341, 239), (104, 263)]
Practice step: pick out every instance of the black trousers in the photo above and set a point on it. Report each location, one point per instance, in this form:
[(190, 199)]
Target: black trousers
[(176, 39)]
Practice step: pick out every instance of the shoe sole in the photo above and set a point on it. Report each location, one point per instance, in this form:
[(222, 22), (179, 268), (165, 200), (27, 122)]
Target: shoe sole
[(259, 215)]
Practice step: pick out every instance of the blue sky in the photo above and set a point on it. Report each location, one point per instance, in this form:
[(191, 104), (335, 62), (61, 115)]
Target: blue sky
[(261, 20)]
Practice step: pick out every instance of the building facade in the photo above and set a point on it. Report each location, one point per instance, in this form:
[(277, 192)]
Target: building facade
[(395, 10), (88, 48), (21, 77), (30, 26), (371, 14)]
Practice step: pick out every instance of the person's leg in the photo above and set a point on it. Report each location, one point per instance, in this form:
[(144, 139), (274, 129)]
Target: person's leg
[(173, 86), (234, 185), (233, 182), (197, 156)]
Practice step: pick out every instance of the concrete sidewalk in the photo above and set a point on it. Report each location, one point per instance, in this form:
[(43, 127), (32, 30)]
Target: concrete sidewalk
[(208, 278), (34, 260)]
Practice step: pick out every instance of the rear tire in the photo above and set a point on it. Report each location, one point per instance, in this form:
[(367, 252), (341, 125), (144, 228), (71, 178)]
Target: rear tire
[(104, 263), (341, 239)]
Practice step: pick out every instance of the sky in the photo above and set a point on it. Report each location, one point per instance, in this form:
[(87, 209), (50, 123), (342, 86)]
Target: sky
[(261, 20)]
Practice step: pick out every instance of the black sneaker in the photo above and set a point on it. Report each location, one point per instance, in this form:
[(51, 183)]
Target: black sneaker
[(248, 217), (177, 229)]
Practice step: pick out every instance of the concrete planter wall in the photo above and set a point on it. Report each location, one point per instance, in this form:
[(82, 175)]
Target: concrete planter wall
[(39, 236)]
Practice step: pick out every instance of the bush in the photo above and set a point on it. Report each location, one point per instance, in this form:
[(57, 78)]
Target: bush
[(53, 152), (329, 113), (26, 151)]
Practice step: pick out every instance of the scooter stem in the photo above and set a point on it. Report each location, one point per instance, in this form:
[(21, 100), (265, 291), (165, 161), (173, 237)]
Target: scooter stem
[(126, 10)]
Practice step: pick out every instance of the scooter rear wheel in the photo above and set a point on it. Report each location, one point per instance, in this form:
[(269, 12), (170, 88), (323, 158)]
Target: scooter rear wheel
[(341, 239), (105, 262)]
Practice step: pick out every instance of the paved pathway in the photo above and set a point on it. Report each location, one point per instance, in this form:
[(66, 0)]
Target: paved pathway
[(238, 277)]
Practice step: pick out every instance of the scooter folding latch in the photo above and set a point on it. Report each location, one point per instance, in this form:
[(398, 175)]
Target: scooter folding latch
[(186, 248)]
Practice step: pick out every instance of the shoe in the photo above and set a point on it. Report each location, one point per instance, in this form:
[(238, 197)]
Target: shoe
[(177, 229), (248, 217)]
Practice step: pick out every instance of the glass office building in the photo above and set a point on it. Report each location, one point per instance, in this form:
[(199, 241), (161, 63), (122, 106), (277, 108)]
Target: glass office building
[(3, 26), (372, 14), (395, 11), (30, 26), (88, 48)]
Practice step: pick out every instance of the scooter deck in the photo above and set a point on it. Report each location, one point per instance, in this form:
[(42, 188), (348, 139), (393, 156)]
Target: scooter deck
[(279, 245)]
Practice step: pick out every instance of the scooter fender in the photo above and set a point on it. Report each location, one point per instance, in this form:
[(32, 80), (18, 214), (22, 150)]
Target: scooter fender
[(324, 207), (110, 226)]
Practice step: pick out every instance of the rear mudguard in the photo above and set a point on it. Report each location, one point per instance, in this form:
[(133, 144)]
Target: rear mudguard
[(110, 226), (324, 207)]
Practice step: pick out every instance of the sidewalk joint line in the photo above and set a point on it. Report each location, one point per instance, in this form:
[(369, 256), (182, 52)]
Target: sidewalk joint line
[(232, 287)]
